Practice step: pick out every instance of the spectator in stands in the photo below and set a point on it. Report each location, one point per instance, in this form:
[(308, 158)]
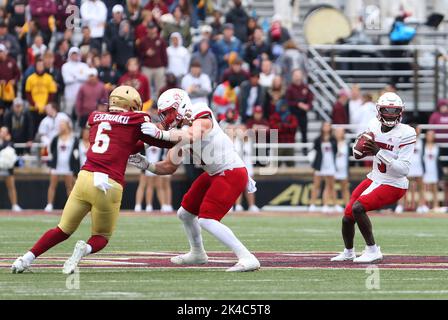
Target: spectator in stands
[(136, 79), (225, 98), (367, 111), (49, 126), (9, 76), (7, 167), (267, 74), (251, 94), (36, 50), (433, 171), (286, 124), (207, 59), (274, 94), (324, 165), (84, 145), (88, 45), (206, 35), (17, 19), (354, 104), (178, 56), (342, 166), (43, 11), (291, 59), (74, 73), (252, 24), (40, 89), (277, 36), (9, 40), (157, 7), (340, 109), (113, 26), (133, 12), (300, 100), (179, 24), (94, 15), (60, 56), (89, 94), (225, 46), (216, 24), (153, 55), (197, 84), (238, 17), (64, 163), (260, 128), (20, 124), (235, 73), (55, 73), (440, 117), (141, 30), (107, 73), (123, 46), (257, 49), (170, 83)]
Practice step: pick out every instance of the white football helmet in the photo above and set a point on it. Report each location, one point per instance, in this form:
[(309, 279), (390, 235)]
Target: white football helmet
[(390, 108), (173, 105)]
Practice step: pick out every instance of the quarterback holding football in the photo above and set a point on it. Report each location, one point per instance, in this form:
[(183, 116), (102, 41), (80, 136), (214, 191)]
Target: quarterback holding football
[(114, 136), (391, 144), (215, 191)]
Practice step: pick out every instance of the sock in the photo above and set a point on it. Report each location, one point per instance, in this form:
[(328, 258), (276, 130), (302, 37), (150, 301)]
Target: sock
[(372, 249), (50, 238), (348, 251), (192, 229), (225, 235), (96, 243), (89, 250), (29, 257)]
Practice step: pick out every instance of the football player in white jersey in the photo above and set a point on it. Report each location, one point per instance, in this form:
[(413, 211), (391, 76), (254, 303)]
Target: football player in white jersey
[(215, 191), (392, 147)]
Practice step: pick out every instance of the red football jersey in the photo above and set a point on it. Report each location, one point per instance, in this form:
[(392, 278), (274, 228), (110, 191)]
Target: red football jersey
[(114, 136)]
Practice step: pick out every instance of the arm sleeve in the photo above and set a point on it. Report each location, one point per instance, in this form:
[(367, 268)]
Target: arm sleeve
[(138, 147), (399, 165), (156, 142)]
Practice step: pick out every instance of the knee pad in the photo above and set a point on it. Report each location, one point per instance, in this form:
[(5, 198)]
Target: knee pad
[(184, 215)]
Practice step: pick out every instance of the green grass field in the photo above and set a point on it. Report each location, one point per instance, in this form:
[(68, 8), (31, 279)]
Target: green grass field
[(396, 235)]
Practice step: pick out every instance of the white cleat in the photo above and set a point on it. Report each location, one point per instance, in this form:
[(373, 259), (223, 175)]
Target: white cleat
[(149, 208), (253, 208), (312, 208), (20, 265), (138, 208), (239, 208), (48, 208), (339, 209), (399, 209), (78, 253), (249, 263), (16, 208), (344, 256), (327, 209), (190, 258), (166, 208), (369, 257)]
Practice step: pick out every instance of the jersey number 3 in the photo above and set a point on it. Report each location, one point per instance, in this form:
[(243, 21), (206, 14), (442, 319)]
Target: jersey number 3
[(102, 139)]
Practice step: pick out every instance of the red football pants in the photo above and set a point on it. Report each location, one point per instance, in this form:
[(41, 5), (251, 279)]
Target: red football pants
[(379, 197), (211, 197)]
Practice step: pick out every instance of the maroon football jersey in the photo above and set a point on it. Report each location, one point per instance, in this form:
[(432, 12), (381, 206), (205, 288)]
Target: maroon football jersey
[(114, 136)]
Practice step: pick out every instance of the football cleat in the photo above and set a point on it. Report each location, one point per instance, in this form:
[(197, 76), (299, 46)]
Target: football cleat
[(253, 208), (48, 208), (399, 209), (249, 263), (369, 257), (239, 208), (190, 258), (78, 253), (344, 256), (20, 265)]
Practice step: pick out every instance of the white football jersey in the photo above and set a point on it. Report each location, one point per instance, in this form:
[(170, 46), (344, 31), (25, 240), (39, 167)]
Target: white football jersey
[(215, 152), (391, 164)]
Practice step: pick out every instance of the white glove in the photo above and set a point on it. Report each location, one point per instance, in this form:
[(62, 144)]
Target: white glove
[(139, 161)]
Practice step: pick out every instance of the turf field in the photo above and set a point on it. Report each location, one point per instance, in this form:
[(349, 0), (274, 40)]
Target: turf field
[(294, 251)]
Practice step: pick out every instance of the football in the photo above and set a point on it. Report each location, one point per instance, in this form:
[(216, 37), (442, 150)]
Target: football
[(359, 151)]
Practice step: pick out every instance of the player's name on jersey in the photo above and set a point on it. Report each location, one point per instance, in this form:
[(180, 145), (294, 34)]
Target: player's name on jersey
[(111, 117)]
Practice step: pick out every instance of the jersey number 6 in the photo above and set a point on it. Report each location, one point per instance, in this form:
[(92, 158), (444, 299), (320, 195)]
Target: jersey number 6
[(102, 139)]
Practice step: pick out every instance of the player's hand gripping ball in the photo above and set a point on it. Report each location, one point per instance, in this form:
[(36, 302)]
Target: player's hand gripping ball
[(365, 145)]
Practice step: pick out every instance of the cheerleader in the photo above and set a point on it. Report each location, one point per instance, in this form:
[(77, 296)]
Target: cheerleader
[(8, 158), (432, 167), (342, 157), (324, 166), (415, 177), (149, 182), (64, 163)]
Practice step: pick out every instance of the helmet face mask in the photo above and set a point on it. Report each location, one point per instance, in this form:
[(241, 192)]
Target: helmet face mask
[(173, 106), (170, 118)]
